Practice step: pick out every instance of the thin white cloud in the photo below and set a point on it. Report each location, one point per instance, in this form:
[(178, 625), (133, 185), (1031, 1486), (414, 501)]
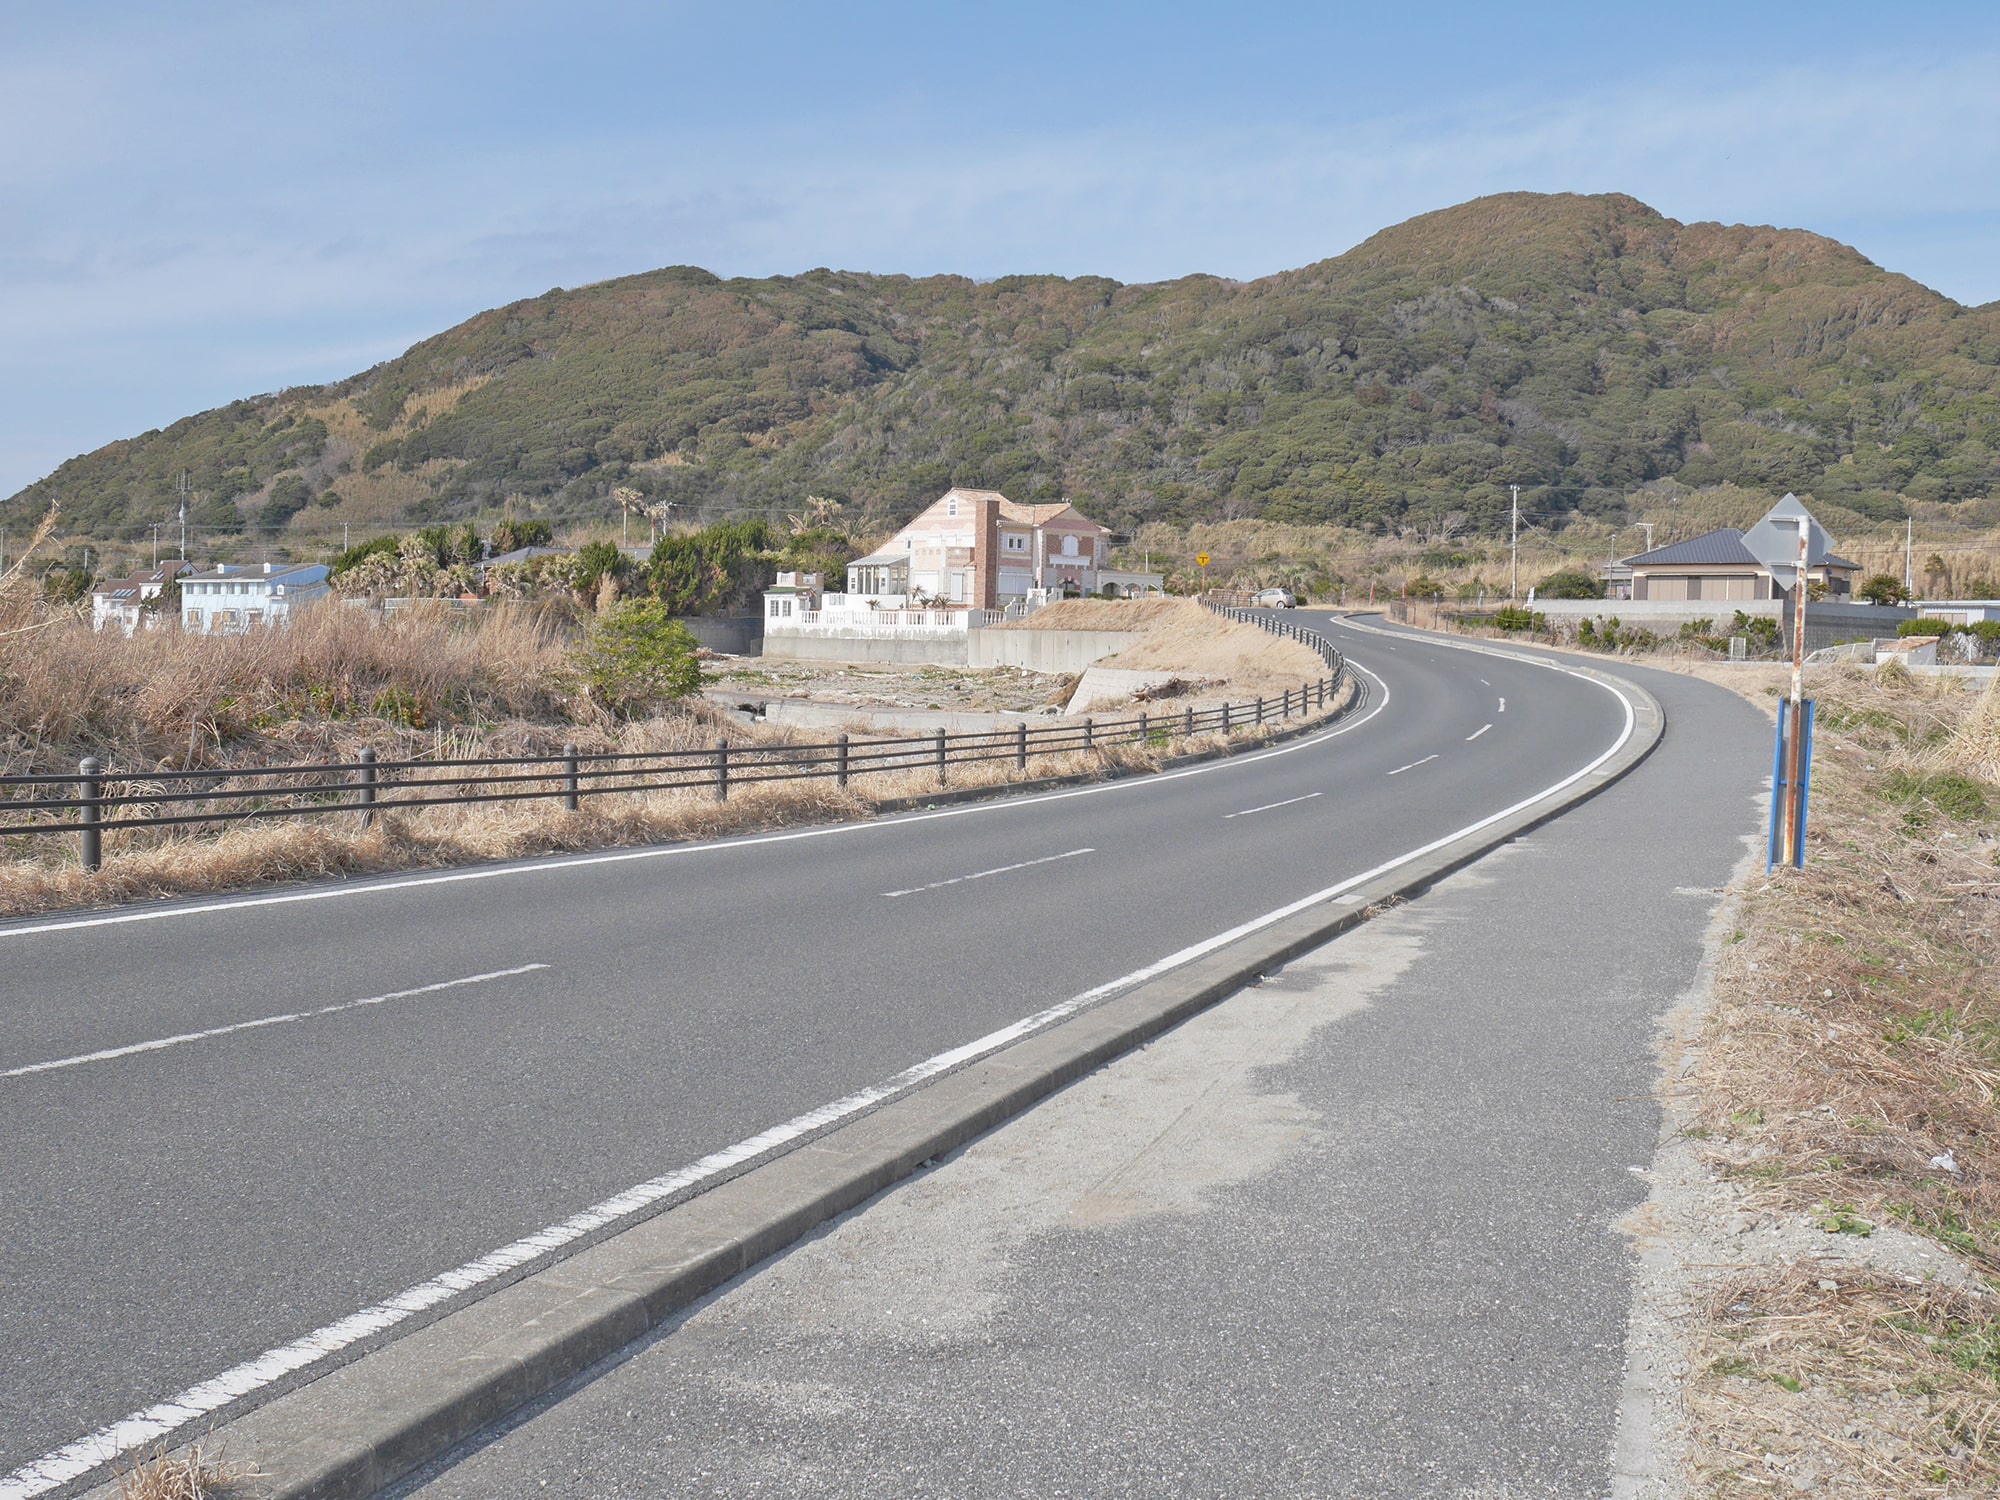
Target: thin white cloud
[(364, 250)]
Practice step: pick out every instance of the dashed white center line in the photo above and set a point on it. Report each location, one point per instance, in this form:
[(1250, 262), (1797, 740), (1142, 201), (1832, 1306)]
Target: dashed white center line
[(1413, 765), (160, 1044), (1477, 733), (1269, 805), (1484, 683), (1025, 864), (1503, 705)]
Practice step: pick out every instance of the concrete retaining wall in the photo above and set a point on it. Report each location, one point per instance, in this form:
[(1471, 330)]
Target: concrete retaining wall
[(1046, 650), (938, 650), (736, 635)]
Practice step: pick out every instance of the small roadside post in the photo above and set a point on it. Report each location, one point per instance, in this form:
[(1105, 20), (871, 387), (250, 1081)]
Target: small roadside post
[(1201, 561), (1784, 542)]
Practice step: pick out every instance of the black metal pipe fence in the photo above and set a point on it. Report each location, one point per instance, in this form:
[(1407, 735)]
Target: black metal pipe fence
[(95, 800)]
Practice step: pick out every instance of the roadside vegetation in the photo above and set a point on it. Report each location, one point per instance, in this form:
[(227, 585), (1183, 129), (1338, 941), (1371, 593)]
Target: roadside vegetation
[(436, 683), (1846, 1096)]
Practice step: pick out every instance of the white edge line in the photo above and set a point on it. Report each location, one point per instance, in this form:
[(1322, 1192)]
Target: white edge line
[(1477, 733), (681, 851), (160, 1044), (157, 1421)]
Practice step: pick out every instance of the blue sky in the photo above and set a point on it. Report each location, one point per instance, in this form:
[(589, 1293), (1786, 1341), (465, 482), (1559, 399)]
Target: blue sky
[(203, 201)]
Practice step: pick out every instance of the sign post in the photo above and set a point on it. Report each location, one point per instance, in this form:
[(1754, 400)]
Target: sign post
[(1783, 543), (1201, 561)]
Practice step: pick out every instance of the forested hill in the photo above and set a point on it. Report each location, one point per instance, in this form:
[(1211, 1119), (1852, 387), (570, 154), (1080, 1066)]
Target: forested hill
[(1586, 344)]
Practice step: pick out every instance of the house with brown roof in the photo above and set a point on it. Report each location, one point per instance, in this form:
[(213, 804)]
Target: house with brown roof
[(122, 601), (1718, 566), (980, 549)]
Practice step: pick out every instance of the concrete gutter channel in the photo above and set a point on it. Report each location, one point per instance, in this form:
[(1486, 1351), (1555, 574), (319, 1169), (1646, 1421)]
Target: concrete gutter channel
[(365, 1425)]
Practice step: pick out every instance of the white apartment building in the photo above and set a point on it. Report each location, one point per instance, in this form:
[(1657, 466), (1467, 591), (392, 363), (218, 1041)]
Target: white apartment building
[(244, 596)]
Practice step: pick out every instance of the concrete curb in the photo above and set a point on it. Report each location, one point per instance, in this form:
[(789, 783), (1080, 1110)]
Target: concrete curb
[(365, 1425)]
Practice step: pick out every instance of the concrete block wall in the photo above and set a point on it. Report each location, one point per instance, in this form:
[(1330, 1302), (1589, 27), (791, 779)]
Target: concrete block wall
[(1046, 650)]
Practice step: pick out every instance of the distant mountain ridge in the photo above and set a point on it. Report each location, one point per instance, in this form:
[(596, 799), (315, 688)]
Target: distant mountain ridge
[(1581, 345)]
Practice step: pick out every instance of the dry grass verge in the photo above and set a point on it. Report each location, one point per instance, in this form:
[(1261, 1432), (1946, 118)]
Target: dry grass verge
[(144, 865), (1843, 1105), (193, 1473)]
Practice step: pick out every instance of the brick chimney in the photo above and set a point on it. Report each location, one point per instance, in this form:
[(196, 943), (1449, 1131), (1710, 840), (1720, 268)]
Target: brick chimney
[(986, 555)]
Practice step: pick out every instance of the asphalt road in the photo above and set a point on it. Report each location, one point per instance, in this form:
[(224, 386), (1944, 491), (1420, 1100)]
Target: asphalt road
[(1352, 1233), (174, 1212)]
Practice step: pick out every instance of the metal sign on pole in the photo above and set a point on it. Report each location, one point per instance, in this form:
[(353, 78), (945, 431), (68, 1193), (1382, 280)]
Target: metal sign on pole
[(1785, 543)]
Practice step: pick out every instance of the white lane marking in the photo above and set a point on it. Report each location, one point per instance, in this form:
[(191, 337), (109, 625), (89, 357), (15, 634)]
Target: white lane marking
[(938, 885), (162, 1043), (1413, 765), (1269, 805), (156, 1422), (1484, 683), (1503, 705), (684, 851), (1477, 733)]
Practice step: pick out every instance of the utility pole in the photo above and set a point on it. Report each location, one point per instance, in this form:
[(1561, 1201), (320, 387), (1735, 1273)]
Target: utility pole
[(343, 536), (184, 515), (156, 546), (1514, 550), (1909, 568)]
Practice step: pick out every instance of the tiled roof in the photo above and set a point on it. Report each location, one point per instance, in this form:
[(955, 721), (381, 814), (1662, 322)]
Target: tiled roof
[(1716, 548)]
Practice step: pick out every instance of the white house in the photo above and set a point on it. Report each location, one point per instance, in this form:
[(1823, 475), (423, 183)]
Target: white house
[(236, 597), (122, 601)]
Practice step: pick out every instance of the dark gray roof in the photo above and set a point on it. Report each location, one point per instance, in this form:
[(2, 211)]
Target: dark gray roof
[(1716, 547)]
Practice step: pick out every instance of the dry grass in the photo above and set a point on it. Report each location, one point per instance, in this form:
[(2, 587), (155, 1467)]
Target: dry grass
[(1183, 637), (148, 864), (333, 680), (1856, 1386), (1852, 1063), (1102, 614), (194, 1473)]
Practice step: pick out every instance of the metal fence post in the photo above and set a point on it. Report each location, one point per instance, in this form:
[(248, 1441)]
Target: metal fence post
[(367, 759), (1089, 736), (722, 770), (1142, 726), (1187, 722), (1021, 746), (1225, 716), (940, 757), (569, 778), (1260, 708), (90, 812), (840, 761)]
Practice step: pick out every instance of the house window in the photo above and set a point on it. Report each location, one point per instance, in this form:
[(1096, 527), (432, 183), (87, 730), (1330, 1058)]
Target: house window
[(191, 620)]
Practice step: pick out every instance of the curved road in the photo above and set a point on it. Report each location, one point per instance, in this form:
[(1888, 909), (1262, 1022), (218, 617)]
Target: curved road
[(583, 1024)]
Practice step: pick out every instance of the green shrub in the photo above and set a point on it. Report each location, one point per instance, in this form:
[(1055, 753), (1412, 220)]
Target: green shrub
[(1925, 627), (1520, 619), (360, 552), (1569, 583), (1882, 588), (636, 656)]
